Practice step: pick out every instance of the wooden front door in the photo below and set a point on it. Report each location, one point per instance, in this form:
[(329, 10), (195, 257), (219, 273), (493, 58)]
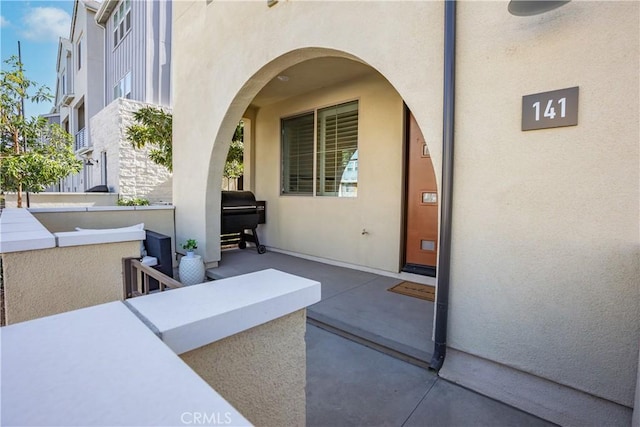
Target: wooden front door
[(421, 250)]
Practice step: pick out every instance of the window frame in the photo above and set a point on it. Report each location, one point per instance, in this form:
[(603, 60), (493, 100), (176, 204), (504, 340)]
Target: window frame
[(120, 88), (324, 152), (283, 179), (315, 191), (79, 53), (103, 167), (121, 22)]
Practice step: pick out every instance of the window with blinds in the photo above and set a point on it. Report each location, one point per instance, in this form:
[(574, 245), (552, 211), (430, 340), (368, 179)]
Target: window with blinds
[(297, 155), (337, 151), (332, 144)]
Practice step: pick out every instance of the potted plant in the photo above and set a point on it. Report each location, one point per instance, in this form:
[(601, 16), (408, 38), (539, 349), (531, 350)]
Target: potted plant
[(190, 246), (191, 269)]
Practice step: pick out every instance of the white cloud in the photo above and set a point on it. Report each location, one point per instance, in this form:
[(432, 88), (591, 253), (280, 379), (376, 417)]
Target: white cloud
[(3, 22), (46, 24)]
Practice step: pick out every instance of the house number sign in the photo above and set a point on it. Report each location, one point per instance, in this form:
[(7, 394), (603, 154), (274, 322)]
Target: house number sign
[(553, 109)]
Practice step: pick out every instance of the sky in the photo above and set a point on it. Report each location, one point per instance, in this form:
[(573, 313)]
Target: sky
[(37, 24)]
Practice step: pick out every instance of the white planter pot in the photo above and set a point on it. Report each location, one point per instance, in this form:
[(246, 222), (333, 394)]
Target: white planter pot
[(191, 270)]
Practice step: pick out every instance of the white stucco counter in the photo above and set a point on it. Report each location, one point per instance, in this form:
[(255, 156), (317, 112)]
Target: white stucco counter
[(105, 364), (100, 366), (201, 314), (20, 231)]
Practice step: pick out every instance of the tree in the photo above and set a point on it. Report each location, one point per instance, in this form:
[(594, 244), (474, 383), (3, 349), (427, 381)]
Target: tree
[(153, 128), (33, 152), (234, 167)]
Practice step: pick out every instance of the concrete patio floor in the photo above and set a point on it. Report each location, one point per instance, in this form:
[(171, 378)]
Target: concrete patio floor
[(352, 385), (355, 304), (359, 339)]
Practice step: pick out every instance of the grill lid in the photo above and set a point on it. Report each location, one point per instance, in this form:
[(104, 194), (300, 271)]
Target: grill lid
[(236, 199)]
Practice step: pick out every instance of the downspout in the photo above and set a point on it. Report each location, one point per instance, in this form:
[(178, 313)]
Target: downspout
[(444, 250), (105, 48)]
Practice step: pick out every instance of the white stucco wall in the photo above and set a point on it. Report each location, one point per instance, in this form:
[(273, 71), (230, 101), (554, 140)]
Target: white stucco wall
[(211, 95), (545, 225), (331, 227), (545, 234), (260, 371), (129, 172), (68, 199), (635, 422), (55, 280)]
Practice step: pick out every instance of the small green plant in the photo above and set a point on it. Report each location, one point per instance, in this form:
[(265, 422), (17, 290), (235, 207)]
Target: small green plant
[(190, 245), (133, 202)]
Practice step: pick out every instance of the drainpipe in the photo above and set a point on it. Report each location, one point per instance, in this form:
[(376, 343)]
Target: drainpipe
[(105, 48), (444, 250)]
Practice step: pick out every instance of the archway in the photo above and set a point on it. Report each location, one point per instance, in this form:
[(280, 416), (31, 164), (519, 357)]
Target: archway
[(322, 78)]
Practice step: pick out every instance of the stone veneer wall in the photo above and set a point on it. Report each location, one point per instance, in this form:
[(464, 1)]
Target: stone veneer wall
[(130, 172)]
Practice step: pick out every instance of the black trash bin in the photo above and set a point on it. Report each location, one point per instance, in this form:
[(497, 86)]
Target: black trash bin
[(159, 246)]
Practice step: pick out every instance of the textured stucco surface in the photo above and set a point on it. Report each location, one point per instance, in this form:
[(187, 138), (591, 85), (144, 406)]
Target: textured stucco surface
[(261, 371), (635, 422), (211, 94), (130, 172), (158, 220), (46, 200), (545, 260), (378, 205), (51, 281), (547, 399)]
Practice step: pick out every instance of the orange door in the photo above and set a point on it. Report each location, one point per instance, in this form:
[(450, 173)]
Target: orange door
[(422, 204)]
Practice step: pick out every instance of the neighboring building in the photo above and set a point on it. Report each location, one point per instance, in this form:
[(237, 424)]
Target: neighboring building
[(126, 171), (544, 266), (137, 65), (79, 89), (137, 42), (128, 47)]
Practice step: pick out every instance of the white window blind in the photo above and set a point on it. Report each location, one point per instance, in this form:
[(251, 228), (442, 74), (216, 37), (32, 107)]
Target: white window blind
[(331, 145), (337, 151), (297, 154)]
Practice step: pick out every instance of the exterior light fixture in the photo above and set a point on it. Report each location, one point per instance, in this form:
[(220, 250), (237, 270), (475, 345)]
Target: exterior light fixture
[(534, 7)]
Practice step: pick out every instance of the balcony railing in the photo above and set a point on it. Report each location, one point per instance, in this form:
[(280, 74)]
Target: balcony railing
[(81, 139)]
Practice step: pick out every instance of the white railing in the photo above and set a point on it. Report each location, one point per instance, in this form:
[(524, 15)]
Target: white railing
[(81, 139)]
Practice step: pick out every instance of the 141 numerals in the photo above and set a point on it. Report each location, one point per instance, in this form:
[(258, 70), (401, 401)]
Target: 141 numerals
[(550, 110)]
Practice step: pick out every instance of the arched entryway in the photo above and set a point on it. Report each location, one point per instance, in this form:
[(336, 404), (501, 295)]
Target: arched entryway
[(329, 148)]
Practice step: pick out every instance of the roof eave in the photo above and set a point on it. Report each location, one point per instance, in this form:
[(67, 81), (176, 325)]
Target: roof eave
[(104, 12), (91, 5)]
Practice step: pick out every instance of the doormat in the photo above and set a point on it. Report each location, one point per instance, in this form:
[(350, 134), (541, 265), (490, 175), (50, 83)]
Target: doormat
[(415, 290)]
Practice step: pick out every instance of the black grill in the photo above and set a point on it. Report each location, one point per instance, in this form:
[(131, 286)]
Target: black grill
[(241, 213)]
